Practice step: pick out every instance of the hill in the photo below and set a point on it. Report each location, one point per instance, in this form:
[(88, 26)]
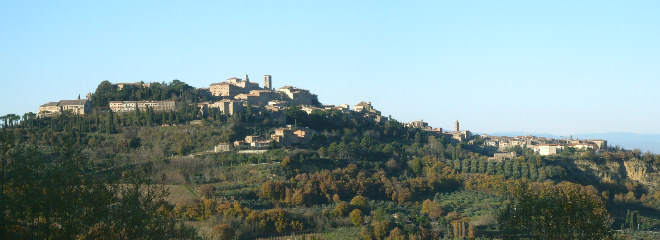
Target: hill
[(277, 168)]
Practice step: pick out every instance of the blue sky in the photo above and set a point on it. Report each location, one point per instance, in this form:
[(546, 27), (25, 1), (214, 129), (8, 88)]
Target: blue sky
[(560, 67)]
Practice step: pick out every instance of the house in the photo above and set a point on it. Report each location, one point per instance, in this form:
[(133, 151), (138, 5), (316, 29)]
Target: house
[(222, 147), (287, 136), (548, 149)]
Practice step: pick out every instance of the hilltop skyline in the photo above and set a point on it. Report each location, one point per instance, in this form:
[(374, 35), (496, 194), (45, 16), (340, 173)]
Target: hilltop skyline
[(561, 68)]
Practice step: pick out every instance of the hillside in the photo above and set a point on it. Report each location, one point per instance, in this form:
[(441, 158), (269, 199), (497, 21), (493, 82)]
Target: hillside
[(268, 163)]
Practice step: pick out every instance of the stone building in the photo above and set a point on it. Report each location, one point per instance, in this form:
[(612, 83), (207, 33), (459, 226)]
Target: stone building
[(364, 107), (130, 106), (287, 136), (121, 86), (222, 147), (78, 107), (233, 86), (259, 97), (268, 82), (601, 144), (418, 124), (229, 107), (297, 96)]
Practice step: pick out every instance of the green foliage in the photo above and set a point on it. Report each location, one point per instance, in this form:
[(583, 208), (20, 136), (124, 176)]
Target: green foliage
[(55, 195), (356, 217), (562, 211)]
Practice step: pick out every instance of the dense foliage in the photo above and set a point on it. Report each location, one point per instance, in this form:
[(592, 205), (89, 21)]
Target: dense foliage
[(108, 175)]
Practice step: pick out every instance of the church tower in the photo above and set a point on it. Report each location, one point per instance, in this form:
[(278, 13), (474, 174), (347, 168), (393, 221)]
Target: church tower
[(268, 82), (246, 78), (457, 128)]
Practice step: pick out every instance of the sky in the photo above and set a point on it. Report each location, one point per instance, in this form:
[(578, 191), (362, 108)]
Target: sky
[(558, 67)]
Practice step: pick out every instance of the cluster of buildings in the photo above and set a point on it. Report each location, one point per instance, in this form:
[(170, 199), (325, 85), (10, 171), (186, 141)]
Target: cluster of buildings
[(288, 136), (456, 134), (285, 136), (541, 145)]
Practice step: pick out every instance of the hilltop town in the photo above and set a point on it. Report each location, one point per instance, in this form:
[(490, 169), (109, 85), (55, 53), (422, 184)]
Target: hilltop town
[(231, 97), (236, 95)]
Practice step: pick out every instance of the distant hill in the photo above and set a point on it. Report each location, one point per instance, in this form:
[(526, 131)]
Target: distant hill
[(644, 142)]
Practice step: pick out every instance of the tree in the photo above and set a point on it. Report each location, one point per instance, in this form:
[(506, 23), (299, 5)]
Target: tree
[(207, 190), (356, 217), (55, 195), (224, 231), (562, 211), (359, 202), (432, 209)]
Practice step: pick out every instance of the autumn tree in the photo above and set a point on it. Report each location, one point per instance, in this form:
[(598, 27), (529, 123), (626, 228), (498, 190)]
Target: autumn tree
[(562, 211), (356, 217)]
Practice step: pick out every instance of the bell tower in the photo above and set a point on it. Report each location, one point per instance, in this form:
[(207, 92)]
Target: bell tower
[(268, 82)]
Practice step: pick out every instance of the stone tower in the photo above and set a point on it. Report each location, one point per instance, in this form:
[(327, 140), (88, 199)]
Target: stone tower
[(457, 128), (246, 78), (268, 82)]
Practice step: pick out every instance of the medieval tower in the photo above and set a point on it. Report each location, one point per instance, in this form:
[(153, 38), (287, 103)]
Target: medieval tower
[(268, 82)]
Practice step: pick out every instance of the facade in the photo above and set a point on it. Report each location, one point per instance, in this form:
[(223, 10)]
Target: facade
[(287, 136), (601, 144), (121, 86), (310, 109), (130, 106), (298, 96), (78, 107), (364, 107), (548, 149), (233, 86), (259, 97), (253, 141), (418, 124), (222, 147), (49, 109), (268, 82), (504, 155), (229, 107)]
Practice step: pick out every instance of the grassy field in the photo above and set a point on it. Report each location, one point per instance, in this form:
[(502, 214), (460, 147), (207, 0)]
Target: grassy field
[(180, 194), (336, 234)]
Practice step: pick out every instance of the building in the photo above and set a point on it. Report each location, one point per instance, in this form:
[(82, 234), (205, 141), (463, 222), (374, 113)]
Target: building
[(461, 135), (310, 109), (601, 144), (229, 107), (548, 149), (287, 136), (121, 86), (268, 82), (253, 141), (78, 107), (130, 106), (364, 107), (222, 147), (580, 146), (504, 155), (418, 124), (297, 96), (233, 86), (259, 97)]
